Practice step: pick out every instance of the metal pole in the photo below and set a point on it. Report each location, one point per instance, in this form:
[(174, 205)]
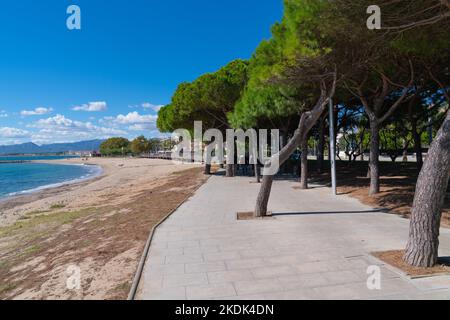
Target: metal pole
[(332, 149)]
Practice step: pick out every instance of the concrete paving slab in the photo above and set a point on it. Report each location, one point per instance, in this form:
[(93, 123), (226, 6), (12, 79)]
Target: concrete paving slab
[(317, 246)]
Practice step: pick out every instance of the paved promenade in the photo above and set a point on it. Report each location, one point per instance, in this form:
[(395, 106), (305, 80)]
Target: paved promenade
[(317, 246)]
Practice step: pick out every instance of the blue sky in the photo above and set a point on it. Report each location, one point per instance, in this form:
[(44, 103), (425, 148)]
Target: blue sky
[(109, 78)]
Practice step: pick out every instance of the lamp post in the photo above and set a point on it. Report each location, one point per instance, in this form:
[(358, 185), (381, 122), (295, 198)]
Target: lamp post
[(332, 149)]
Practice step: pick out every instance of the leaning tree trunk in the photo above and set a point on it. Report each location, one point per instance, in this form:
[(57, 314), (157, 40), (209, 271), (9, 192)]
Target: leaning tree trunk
[(374, 159), (263, 196), (307, 121), (423, 243), (304, 166), (267, 180)]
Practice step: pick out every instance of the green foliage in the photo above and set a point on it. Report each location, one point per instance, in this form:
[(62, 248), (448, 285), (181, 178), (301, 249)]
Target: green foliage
[(166, 119), (314, 37), (154, 144), (140, 145), (208, 99), (267, 100), (115, 146)]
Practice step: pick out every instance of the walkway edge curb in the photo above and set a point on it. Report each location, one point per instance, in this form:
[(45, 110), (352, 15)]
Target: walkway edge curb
[(140, 268)]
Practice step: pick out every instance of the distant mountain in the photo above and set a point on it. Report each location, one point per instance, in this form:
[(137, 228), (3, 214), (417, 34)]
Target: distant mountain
[(32, 148)]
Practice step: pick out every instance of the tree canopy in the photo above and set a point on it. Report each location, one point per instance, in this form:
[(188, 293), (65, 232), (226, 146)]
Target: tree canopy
[(140, 145), (208, 99), (115, 146)]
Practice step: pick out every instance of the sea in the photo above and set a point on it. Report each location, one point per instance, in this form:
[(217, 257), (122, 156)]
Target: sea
[(18, 176)]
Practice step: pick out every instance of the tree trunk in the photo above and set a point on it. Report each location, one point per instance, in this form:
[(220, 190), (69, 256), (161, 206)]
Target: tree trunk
[(405, 150), (423, 243), (207, 169), (263, 196), (257, 176), (374, 158), (417, 145), (307, 121), (304, 166), (229, 170), (321, 146), (267, 180)]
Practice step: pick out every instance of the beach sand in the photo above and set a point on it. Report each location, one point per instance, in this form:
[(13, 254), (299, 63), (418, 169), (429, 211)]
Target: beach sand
[(99, 226)]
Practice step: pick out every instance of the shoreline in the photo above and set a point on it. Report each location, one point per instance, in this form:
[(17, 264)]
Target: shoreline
[(115, 174), (85, 178), (14, 201), (99, 225)]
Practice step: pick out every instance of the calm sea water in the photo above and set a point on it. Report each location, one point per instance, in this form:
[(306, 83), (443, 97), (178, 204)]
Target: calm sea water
[(29, 158), (19, 178)]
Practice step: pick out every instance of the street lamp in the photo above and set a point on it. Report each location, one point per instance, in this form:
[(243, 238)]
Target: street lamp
[(332, 149)]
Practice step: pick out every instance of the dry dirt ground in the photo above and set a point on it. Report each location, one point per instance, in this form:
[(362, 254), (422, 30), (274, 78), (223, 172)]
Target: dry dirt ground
[(395, 258), (104, 241), (398, 182)]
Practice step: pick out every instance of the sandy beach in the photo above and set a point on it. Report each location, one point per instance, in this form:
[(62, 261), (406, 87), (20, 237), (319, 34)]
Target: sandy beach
[(120, 177), (99, 225)]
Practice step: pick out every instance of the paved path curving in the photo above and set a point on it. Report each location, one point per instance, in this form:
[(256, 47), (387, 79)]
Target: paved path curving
[(319, 248)]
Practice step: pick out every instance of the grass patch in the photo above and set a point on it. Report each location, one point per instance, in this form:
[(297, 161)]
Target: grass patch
[(36, 212), (123, 286), (31, 214), (58, 206), (32, 249), (56, 218)]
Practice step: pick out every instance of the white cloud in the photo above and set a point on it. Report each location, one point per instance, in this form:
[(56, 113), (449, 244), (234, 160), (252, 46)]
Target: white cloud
[(141, 127), (133, 120), (3, 114), (60, 128), (7, 132), (135, 117), (148, 105), (92, 107), (36, 112)]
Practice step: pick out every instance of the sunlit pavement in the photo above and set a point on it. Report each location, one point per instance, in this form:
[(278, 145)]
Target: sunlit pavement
[(316, 246)]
